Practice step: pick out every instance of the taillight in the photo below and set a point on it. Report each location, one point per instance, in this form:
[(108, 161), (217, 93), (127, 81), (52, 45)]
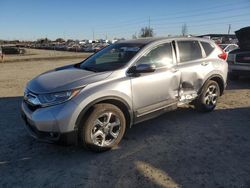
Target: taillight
[(223, 54)]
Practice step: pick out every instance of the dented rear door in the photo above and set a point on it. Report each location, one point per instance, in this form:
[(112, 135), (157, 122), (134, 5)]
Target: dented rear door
[(193, 68)]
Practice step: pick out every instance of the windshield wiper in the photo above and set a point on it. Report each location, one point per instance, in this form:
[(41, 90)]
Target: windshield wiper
[(89, 69)]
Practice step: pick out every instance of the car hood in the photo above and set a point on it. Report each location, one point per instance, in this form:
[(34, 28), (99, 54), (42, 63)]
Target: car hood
[(63, 79)]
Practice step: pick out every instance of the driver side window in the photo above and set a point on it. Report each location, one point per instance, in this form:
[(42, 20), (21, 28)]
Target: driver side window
[(160, 56)]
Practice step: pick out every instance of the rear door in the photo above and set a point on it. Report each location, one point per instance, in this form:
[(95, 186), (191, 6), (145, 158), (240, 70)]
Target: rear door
[(156, 90), (193, 66)]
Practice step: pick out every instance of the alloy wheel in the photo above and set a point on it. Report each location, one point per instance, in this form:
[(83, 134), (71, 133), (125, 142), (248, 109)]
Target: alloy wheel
[(211, 96), (106, 129)]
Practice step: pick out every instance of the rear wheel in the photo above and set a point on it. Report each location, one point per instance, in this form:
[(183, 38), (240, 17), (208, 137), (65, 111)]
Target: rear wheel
[(208, 98), (104, 128)]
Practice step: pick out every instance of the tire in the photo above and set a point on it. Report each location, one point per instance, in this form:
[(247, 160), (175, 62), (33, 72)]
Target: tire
[(104, 128), (207, 100), (233, 76)]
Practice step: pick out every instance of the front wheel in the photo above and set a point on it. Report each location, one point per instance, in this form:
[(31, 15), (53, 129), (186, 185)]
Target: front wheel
[(104, 128), (208, 98)]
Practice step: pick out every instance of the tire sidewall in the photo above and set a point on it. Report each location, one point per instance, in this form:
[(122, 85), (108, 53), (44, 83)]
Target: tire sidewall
[(207, 85), (89, 124)]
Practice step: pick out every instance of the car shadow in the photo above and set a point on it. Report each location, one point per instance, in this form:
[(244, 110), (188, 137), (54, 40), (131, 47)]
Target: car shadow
[(183, 148)]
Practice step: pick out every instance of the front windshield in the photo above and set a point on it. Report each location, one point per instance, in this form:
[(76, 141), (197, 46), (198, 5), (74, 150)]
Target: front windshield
[(112, 57)]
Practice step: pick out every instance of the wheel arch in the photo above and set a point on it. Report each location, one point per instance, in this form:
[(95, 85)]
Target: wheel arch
[(117, 101), (217, 78)]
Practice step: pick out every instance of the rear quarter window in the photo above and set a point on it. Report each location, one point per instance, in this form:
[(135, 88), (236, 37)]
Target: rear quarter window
[(189, 50), (208, 48)]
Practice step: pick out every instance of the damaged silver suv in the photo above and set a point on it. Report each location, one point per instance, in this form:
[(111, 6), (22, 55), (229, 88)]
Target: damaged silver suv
[(94, 101)]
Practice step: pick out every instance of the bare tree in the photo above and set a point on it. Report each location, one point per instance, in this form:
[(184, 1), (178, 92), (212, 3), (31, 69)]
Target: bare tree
[(43, 40), (60, 40), (134, 36), (146, 32), (184, 30)]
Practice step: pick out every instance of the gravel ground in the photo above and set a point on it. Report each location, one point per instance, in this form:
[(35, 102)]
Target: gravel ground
[(183, 148), (37, 54)]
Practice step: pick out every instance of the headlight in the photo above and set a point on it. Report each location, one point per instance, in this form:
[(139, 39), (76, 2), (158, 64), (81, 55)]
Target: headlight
[(57, 98)]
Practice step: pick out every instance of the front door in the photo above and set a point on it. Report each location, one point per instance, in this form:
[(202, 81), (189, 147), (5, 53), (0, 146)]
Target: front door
[(156, 90)]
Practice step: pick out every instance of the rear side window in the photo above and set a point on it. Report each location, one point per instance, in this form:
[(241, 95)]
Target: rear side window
[(189, 50), (208, 48)]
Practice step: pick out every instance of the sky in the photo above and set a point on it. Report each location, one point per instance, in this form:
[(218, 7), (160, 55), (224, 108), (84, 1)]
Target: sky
[(78, 19)]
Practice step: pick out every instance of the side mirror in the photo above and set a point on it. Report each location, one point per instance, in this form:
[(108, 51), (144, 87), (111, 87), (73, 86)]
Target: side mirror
[(142, 68)]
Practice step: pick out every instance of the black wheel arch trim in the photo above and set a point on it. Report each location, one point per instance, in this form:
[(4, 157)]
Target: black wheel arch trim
[(222, 88), (87, 107)]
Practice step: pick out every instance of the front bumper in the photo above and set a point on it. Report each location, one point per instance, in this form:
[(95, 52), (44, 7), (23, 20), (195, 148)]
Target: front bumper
[(55, 123)]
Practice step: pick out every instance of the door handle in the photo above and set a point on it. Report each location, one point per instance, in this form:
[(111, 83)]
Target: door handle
[(204, 63)]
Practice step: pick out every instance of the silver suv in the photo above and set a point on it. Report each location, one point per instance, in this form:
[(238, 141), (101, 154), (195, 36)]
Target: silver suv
[(94, 101)]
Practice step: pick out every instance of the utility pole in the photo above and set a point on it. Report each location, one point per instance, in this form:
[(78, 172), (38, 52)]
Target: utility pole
[(149, 33), (149, 22), (229, 29), (93, 33), (64, 37)]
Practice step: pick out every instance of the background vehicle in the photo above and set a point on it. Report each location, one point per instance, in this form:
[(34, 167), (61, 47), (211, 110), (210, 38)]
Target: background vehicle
[(12, 50), (238, 64), (239, 59), (123, 84)]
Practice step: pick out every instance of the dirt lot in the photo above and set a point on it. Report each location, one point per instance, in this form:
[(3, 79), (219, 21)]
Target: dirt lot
[(35, 54), (184, 148)]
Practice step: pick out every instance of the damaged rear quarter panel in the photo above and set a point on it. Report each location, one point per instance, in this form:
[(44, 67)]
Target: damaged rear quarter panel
[(195, 74)]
